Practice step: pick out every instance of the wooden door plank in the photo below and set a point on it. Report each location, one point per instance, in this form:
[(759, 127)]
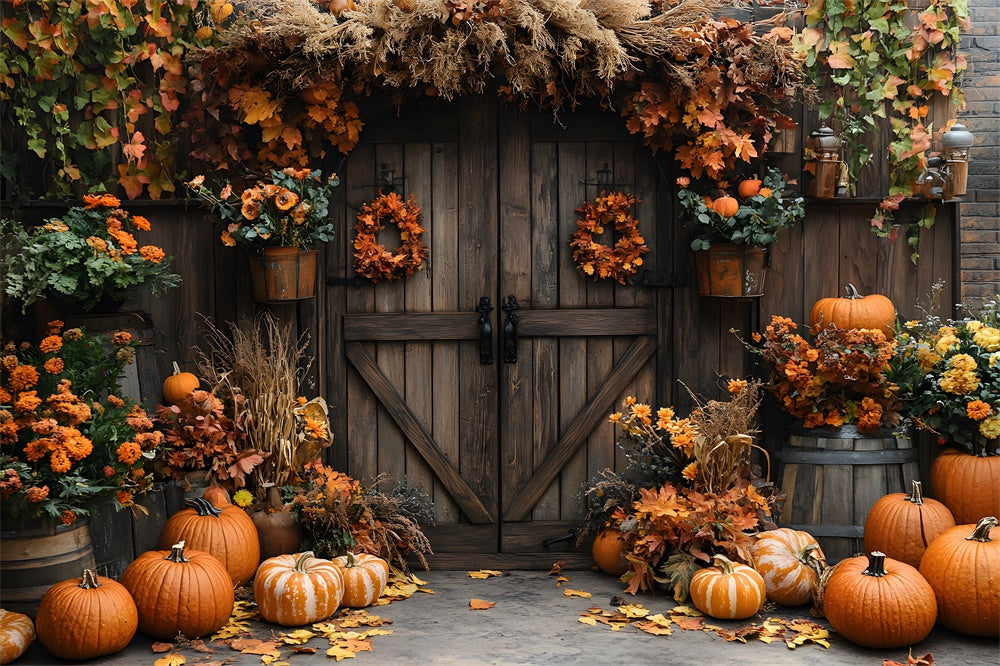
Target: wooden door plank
[(593, 322), (583, 424), (400, 412), (411, 326)]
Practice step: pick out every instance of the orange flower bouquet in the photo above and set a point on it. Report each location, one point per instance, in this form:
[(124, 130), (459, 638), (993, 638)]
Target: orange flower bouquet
[(89, 254), (67, 438)]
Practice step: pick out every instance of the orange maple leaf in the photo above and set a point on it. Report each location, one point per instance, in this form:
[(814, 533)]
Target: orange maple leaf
[(481, 604)]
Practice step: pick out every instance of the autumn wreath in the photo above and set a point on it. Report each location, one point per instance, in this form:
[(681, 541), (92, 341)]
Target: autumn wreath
[(372, 260), (603, 261)]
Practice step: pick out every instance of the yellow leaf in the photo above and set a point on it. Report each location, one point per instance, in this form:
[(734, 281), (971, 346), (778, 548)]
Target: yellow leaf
[(426, 590), (577, 593), (587, 619), (617, 626), (654, 628), (340, 653), (484, 573), (414, 579), (375, 632), (172, 659), (561, 580), (633, 611), (297, 637), (257, 105), (686, 610)]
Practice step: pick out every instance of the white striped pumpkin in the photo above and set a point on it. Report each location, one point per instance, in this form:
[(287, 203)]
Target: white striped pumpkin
[(365, 577), (728, 591), (787, 560), (16, 634), (293, 590)]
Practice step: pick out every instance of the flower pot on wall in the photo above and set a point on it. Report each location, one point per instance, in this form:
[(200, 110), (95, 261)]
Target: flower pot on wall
[(733, 271), (283, 274)]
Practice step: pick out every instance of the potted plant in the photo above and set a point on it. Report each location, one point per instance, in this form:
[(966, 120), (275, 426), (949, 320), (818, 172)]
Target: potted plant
[(731, 233), (279, 220), (90, 257)]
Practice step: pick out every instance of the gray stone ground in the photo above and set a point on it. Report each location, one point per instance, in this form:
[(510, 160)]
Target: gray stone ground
[(534, 623)]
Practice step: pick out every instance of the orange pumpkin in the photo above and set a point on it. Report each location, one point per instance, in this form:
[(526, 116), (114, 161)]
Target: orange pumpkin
[(765, 192), (854, 311), (962, 570), (83, 619), (749, 188), (365, 577), (337, 6), (179, 385), (16, 634), (902, 526), (788, 561), (728, 591), (226, 532), (609, 551), (955, 476), (293, 590), (216, 494), (726, 206), (177, 591), (879, 602)]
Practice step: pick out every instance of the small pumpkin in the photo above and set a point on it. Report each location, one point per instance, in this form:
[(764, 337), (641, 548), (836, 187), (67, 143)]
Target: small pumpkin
[(954, 477), (16, 634), (179, 385), (765, 192), (365, 578), (293, 590), (728, 591), (749, 188), (726, 206), (179, 591), (962, 569), (609, 551), (854, 311), (86, 618), (902, 526), (278, 532), (338, 6), (216, 494), (879, 602), (789, 561), (226, 532)]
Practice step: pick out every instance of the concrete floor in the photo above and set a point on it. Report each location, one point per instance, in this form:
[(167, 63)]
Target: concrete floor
[(534, 623)]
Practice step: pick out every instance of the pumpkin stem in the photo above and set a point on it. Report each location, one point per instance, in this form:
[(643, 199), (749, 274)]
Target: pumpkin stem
[(204, 507), (300, 564), (852, 292), (723, 563), (351, 562), (89, 581), (177, 368), (177, 553), (916, 495), (982, 531), (876, 565), (807, 555)]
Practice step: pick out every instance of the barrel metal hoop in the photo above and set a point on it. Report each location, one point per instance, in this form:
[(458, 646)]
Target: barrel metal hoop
[(837, 457)]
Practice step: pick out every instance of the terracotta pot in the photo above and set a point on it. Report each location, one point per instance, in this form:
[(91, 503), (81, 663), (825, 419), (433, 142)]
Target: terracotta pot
[(967, 484), (283, 274), (734, 271)]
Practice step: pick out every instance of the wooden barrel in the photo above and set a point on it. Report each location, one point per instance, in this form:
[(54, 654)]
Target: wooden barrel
[(833, 476), (33, 559)]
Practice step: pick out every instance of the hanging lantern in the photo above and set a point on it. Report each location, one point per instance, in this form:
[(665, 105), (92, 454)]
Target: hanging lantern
[(826, 149), (956, 142)]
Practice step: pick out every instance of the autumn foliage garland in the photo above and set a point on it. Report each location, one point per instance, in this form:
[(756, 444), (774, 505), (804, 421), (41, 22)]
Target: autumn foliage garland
[(602, 261), (372, 260)]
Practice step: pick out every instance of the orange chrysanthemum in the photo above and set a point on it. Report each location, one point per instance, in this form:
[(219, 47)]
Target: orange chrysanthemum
[(152, 253), (67, 517), (978, 410), (54, 365), (121, 338), (37, 494), (129, 453), (141, 223), (92, 201), (52, 343), (27, 402), (22, 377)]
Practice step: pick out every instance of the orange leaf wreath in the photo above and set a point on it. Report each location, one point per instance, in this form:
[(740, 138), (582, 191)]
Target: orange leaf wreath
[(372, 260), (603, 261)]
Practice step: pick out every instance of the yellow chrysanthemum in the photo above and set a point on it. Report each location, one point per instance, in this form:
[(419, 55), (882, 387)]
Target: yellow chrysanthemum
[(243, 498), (990, 428), (988, 338)]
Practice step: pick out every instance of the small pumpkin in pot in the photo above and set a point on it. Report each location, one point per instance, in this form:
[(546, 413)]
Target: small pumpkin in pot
[(749, 187), (226, 532), (179, 385), (86, 618), (967, 484), (962, 567), (365, 578), (16, 634), (278, 532), (726, 206), (293, 590), (902, 526), (728, 591), (854, 311), (179, 591), (609, 551), (879, 602), (789, 561)]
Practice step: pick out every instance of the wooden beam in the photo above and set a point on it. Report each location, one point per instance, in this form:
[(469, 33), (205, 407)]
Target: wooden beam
[(413, 326), (411, 426), (586, 322), (584, 422)]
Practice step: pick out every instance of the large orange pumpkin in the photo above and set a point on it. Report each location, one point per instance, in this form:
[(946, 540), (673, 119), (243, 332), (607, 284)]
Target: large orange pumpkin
[(293, 590), (609, 551), (788, 561), (854, 311), (726, 206), (728, 590), (902, 526), (365, 577), (177, 591), (964, 571), (179, 385), (226, 532), (749, 188), (16, 634), (83, 619), (879, 602), (967, 484)]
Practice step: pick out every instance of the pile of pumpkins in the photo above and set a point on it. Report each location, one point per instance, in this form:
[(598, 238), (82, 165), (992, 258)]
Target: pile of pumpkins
[(187, 588), (920, 567)]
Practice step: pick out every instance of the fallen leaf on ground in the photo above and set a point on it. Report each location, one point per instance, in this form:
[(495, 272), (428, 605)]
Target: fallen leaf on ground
[(686, 610), (741, 634), (172, 659), (255, 646), (486, 573), (557, 568), (297, 637), (375, 632), (198, 645), (481, 604), (162, 647), (357, 645), (633, 611), (691, 623), (561, 580), (926, 660), (653, 628), (587, 619), (302, 649), (577, 593), (416, 580), (339, 653)]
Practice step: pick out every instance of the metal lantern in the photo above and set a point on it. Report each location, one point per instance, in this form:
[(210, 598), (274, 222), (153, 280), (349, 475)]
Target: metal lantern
[(826, 146), (956, 142)]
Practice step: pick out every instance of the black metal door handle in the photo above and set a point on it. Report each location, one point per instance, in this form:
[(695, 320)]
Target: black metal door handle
[(485, 331), (510, 330)]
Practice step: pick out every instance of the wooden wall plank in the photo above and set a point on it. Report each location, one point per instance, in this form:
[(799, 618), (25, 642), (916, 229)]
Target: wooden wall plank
[(331, 361)]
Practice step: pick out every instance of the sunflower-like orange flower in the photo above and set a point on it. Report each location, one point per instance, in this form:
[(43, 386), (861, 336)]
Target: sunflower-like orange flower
[(285, 199), (250, 210)]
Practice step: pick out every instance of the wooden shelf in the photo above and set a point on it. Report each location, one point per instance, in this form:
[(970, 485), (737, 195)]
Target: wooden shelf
[(849, 201)]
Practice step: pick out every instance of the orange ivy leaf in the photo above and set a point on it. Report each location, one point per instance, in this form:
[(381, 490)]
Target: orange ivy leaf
[(131, 180), (839, 57), (135, 148)]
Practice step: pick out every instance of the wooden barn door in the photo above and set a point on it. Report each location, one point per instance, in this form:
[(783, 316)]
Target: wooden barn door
[(502, 430)]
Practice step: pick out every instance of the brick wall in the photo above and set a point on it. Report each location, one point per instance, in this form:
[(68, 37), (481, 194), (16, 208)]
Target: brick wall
[(980, 212)]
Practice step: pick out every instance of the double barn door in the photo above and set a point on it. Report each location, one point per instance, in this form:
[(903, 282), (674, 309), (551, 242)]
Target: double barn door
[(486, 379)]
